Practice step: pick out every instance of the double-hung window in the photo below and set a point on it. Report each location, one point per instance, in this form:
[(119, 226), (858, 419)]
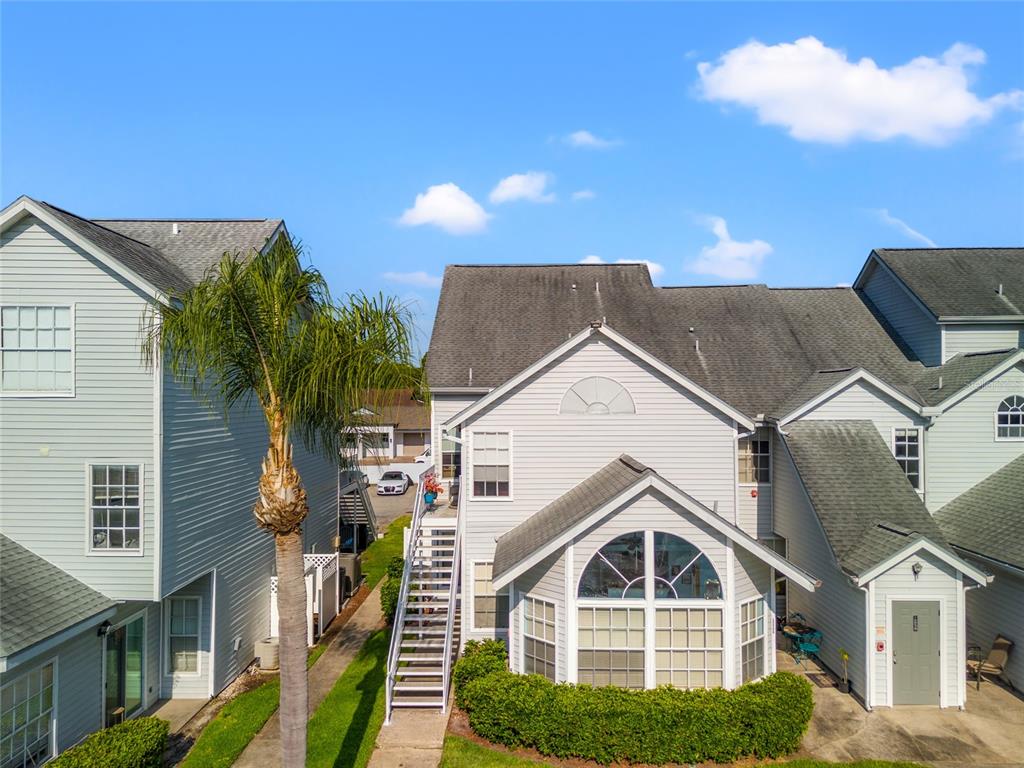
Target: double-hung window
[(752, 639), (492, 464), (115, 508), (754, 460), (35, 350), (183, 635), (26, 714), (906, 447), (538, 637), (490, 608)]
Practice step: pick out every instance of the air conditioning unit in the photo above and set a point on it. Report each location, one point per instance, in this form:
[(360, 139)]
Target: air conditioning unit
[(267, 651)]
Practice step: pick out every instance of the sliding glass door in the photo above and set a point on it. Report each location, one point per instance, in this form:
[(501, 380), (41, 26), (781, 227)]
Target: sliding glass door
[(125, 657)]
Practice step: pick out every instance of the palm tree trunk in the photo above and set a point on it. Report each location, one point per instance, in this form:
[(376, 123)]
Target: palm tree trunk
[(291, 611)]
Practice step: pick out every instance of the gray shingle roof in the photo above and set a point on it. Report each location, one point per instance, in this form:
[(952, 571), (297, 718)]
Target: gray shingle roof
[(39, 599), (566, 511), (961, 282), (957, 373), (757, 345), (142, 259), (199, 244), (989, 518), (861, 496), (171, 262)]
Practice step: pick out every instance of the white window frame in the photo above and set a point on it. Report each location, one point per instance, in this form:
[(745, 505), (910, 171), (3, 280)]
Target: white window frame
[(501, 631), (34, 393), (995, 423), (472, 465), (619, 604), (168, 660), (739, 458), (572, 388), (920, 452), (763, 637), (89, 550), (689, 605), (524, 635), (54, 687)]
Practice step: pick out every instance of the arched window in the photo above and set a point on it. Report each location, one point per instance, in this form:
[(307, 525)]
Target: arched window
[(599, 395), (1010, 418), (680, 570)]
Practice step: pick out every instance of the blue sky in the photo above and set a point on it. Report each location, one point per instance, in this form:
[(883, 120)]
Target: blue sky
[(724, 143)]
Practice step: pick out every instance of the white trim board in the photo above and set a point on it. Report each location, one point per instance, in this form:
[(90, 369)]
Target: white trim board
[(652, 481), (891, 635), (856, 375), (574, 342)]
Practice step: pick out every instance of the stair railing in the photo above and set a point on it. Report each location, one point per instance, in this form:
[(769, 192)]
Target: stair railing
[(453, 596), (371, 516), (398, 625)]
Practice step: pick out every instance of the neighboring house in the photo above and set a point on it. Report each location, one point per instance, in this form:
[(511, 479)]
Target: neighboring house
[(653, 476), (391, 427), (131, 566)]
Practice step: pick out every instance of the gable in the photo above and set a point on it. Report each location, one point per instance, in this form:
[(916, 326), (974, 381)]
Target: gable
[(909, 318), (863, 401)]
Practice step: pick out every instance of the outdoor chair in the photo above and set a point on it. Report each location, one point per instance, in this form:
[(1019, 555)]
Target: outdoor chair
[(993, 665)]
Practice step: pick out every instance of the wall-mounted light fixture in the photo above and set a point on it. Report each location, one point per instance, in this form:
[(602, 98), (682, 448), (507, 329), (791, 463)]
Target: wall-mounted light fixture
[(103, 629), (916, 569)]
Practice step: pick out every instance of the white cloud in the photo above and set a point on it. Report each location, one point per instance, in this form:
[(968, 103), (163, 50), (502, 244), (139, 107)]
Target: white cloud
[(530, 186), (653, 267), (587, 140), (584, 194), (447, 207), (817, 94), (901, 226), (421, 279), (728, 258)]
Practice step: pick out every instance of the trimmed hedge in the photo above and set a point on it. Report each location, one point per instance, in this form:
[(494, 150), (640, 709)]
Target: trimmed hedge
[(138, 743), (666, 725), (391, 587)]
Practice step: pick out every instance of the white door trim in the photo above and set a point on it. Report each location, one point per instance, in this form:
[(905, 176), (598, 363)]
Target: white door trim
[(890, 632)]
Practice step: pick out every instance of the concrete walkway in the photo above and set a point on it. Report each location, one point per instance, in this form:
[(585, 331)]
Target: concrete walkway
[(989, 733), (414, 739), (264, 751)]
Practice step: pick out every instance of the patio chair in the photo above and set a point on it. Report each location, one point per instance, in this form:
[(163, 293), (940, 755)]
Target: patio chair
[(994, 664), (806, 646)]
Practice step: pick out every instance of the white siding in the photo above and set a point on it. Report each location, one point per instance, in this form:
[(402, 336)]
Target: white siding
[(936, 580), (686, 441), (915, 326), (753, 579), (754, 501), (837, 608), (999, 609), (864, 402), (980, 338), (45, 443), (961, 446), (186, 685), (546, 581), (442, 408)]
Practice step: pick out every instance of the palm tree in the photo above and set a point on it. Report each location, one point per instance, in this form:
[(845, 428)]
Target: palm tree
[(262, 328)]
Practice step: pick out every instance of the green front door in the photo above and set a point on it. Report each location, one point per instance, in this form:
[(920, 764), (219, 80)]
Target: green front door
[(915, 652)]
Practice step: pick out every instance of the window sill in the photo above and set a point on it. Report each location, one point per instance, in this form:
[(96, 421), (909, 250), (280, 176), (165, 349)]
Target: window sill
[(30, 395), (114, 553), (754, 485)]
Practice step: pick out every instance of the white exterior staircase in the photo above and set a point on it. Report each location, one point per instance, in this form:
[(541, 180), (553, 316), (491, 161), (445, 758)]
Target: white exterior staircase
[(424, 635)]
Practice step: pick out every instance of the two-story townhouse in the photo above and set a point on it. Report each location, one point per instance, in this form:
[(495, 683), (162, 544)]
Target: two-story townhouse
[(650, 477), (131, 567)]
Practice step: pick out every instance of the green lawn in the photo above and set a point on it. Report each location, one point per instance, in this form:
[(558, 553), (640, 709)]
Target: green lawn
[(226, 736), (379, 553), (344, 727), (463, 753)]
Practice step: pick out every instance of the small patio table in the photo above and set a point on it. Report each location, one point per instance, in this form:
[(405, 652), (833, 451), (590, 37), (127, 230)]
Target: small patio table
[(806, 640)]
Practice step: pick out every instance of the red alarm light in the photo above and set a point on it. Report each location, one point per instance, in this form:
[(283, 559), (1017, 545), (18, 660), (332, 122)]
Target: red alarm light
[(753, 493)]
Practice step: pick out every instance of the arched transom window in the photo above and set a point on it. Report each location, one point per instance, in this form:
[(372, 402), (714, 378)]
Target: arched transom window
[(1010, 418), (680, 570), (597, 395)]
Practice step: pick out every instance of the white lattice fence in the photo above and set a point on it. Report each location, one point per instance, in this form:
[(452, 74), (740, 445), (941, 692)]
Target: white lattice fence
[(315, 602)]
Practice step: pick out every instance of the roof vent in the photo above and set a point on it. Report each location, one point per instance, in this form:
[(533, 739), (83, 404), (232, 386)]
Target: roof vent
[(940, 382), (174, 228), (1000, 291)]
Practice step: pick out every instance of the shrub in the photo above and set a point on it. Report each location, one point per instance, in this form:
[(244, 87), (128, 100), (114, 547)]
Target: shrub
[(479, 659), (391, 587), (666, 725), (138, 743)]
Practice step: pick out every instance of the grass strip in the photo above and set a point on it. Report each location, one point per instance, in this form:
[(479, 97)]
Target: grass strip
[(226, 736), (343, 730), (379, 553), (460, 752)]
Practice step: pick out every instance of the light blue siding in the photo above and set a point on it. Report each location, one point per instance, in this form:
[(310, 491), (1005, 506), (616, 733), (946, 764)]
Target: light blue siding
[(998, 609), (46, 443), (915, 326)]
